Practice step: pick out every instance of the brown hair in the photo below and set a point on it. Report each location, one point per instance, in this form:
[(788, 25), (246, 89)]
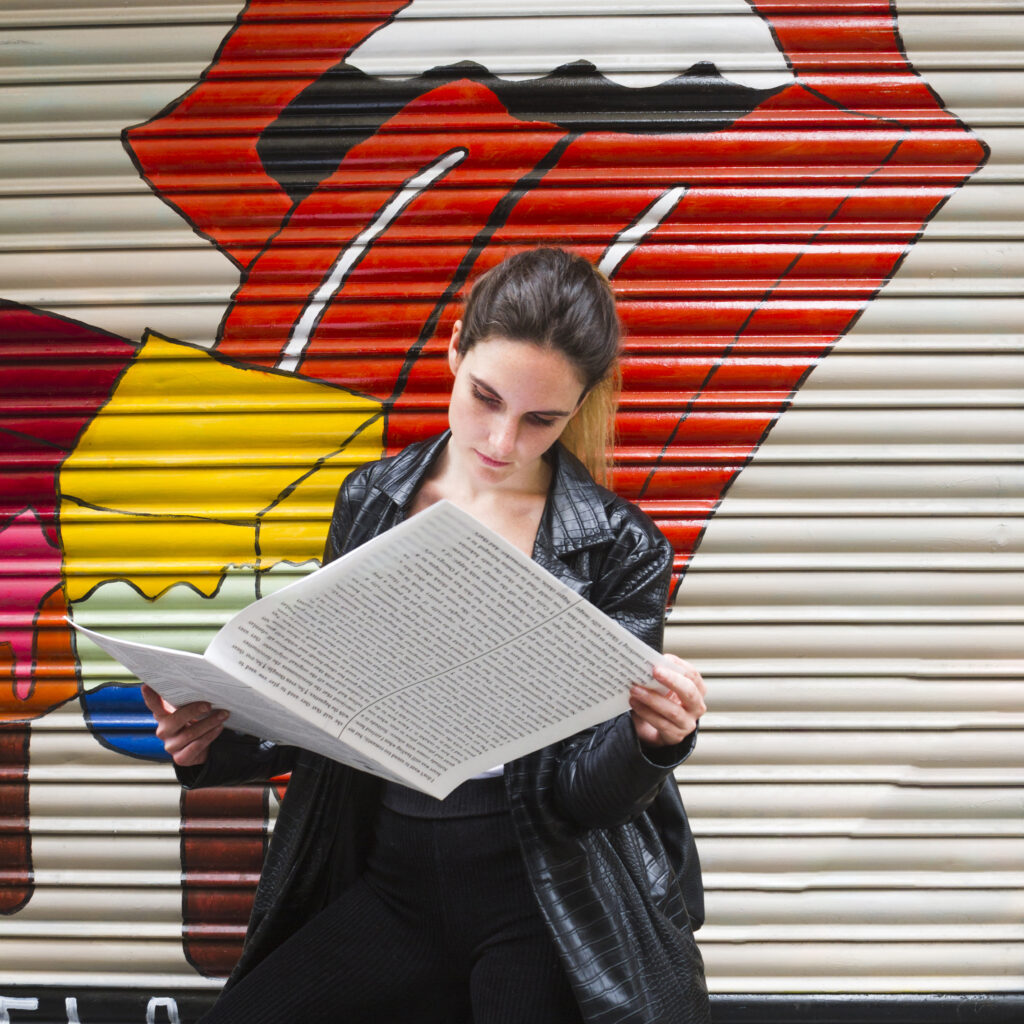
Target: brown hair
[(556, 299)]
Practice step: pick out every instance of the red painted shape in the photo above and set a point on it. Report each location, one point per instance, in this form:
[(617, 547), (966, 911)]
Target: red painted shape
[(57, 373), (15, 840), (277, 288), (223, 836), (858, 150), (262, 65)]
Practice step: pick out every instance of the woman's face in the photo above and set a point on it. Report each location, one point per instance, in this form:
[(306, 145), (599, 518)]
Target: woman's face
[(510, 401)]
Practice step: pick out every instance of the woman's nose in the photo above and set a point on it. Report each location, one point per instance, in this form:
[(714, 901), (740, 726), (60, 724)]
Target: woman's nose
[(503, 437)]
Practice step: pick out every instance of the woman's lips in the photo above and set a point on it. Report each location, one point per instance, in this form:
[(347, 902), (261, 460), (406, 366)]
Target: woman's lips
[(492, 463)]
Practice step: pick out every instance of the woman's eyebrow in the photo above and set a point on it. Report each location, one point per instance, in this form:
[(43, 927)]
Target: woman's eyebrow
[(484, 386)]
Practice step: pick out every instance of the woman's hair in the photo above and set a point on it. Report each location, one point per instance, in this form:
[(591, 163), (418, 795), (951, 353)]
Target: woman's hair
[(556, 299)]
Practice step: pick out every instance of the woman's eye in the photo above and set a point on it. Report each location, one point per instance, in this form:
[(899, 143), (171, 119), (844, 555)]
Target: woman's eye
[(486, 399), (541, 422)]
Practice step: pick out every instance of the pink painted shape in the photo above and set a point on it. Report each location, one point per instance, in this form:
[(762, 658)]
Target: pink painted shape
[(30, 570)]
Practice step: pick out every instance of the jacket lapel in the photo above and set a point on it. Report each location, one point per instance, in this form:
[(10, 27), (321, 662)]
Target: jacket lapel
[(574, 520), (401, 475)]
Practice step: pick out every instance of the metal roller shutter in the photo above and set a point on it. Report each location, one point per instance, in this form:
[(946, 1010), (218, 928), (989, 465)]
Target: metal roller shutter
[(819, 259)]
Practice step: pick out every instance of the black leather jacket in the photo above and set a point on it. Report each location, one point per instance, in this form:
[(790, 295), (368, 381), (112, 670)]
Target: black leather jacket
[(604, 836)]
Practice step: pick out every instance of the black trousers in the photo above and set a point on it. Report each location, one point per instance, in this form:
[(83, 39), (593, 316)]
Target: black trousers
[(442, 928)]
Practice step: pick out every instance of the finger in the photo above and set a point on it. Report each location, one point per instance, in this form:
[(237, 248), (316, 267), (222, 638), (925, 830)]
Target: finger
[(182, 719), (670, 708), (156, 704), (666, 716), (667, 673), (646, 733), (205, 729), (680, 688), (657, 730), (680, 691), (198, 751), (675, 662)]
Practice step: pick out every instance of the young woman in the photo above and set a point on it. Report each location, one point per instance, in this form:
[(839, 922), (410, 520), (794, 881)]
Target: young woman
[(560, 887)]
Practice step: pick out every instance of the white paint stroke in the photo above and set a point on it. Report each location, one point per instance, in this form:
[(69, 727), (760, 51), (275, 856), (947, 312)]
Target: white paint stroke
[(632, 235), (631, 48), (162, 1003), (351, 254)]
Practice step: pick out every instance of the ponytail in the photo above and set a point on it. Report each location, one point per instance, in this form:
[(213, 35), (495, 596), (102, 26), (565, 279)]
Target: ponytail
[(590, 434)]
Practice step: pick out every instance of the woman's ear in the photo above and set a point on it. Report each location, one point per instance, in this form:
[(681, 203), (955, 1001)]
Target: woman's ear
[(454, 358)]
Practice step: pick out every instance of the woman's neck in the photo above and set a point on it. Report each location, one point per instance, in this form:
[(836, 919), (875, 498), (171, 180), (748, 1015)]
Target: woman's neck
[(513, 509)]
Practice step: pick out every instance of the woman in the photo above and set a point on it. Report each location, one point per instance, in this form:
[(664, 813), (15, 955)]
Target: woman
[(560, 887)]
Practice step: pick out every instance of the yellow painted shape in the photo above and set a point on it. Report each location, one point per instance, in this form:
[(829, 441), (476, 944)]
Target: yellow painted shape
[(289, 527), (192, 452)]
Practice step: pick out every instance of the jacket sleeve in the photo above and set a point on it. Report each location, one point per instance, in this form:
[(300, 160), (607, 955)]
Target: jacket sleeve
[(605, 776), (235, 758)]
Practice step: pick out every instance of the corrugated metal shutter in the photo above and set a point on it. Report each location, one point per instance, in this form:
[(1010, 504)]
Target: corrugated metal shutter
[(854, 598), (857, 600)]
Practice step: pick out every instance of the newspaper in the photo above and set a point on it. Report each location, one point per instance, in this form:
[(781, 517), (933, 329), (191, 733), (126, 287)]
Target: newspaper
[(427, 655)]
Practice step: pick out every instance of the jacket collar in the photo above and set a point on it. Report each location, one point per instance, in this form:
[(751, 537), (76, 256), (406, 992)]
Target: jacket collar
[(574, 515), (400, 476)]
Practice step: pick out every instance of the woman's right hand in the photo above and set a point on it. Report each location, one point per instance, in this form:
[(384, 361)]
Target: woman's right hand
[(185, 732)]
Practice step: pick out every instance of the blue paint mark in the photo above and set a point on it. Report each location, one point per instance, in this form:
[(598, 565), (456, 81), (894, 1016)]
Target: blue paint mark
[(118, 717)]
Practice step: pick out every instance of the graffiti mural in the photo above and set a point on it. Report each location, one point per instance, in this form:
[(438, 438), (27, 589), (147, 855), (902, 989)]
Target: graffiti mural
[(359, 163)]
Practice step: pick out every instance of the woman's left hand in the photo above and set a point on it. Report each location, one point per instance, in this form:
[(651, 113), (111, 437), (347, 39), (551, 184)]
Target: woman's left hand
[(664, 719)]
